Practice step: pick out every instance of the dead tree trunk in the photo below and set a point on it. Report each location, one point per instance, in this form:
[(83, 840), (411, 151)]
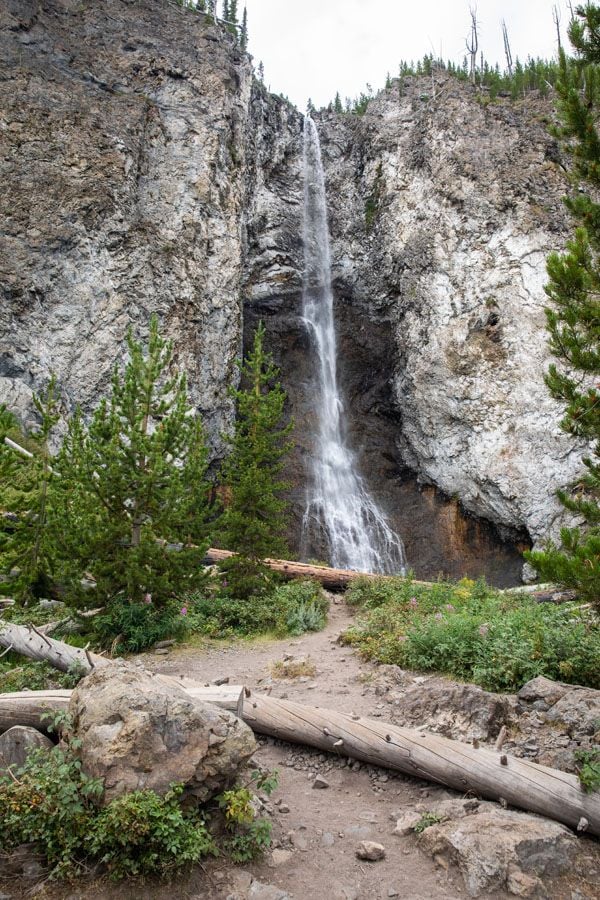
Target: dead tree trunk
[(34, 644), (332, 579), (496, 776)]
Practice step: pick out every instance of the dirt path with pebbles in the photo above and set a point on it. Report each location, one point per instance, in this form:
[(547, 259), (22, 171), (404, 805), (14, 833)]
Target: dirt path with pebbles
[(316, 831)]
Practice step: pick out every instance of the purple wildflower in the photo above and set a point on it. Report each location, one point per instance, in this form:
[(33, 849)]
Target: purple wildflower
[(147, 598), (449, 607), (414, 602), (438, 616), (483, 629), (184, 610)]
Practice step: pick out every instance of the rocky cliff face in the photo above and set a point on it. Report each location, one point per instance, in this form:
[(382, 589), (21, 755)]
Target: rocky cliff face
[(144, 169)]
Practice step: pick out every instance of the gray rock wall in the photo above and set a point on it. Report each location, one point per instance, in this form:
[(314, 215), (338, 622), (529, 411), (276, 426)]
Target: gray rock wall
[(145, 170)]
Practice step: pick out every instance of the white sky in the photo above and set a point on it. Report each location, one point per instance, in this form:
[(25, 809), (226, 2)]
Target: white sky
[(311, 48)]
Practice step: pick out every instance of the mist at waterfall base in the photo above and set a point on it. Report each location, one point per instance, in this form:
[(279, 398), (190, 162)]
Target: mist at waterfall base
[(340, 512)]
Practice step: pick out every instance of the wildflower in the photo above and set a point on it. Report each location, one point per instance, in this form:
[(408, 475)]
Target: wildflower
[(225, 583), (449, 607), (414, 602), (147, 598), (483, 629), (184, 610), (438, 616)]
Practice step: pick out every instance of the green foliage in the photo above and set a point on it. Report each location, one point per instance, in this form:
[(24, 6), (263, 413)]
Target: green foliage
[(467, 630), (19, 675), (51, 802), (588, 768), (25, 482), (285, 609), (426, 820), (573, 319), (135, 626), (254, 522), (130, 506), (143, 834), (248, 836)]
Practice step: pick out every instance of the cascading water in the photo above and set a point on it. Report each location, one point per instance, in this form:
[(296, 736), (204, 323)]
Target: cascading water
[(340, 511)]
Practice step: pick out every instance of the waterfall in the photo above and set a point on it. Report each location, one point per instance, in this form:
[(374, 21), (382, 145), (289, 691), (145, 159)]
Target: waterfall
[(340, 512)]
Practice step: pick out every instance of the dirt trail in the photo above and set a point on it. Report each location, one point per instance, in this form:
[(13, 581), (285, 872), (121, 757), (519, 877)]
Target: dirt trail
[(322, 828)]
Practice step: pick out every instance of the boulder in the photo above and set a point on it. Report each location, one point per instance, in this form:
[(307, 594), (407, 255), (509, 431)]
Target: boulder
[(16, 743), (499, 849), (458, 711), (139, 732), (578, 711), (544, 689)]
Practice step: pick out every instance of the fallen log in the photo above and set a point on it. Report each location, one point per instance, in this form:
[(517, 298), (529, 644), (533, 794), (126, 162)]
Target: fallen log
[(492, 775), (332, 579), (464, 768), (32, 707), (29, 641)]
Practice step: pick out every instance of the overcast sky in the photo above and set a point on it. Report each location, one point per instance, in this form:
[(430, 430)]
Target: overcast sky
[(312, 48)]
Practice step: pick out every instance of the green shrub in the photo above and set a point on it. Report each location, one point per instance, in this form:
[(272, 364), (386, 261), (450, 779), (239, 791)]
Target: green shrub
[(143, 834), (499, 641), (286, 609), (247, 836), (588, 768), (17, 674), (133, 627)]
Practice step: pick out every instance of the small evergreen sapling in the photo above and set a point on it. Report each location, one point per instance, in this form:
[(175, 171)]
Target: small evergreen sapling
[(132, 499)]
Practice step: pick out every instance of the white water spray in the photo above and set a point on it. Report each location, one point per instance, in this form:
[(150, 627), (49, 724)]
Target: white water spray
[(340, 511)]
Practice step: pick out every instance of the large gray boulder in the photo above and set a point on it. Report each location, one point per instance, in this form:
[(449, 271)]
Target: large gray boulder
[(139, 732), (500, 849), (16, 744)]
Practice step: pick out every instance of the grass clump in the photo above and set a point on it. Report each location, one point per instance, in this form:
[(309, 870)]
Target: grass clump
[(474, 633), (293, 668), (291, 608)]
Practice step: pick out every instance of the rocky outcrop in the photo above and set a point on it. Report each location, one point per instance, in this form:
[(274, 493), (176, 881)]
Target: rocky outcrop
[(137, 732), (146, 170), (443, 210)]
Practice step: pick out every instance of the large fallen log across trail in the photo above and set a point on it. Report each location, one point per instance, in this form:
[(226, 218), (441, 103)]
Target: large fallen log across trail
[(332, 579), (487, 773)]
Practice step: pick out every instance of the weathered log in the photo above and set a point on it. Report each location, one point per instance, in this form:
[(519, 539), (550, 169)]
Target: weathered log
[(32, 707), (332, 579), (519, 782), (29, 641), (490, 774)]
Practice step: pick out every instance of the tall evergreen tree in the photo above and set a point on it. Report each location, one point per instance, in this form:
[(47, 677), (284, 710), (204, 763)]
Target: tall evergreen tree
[(132, 485), (25, 485), (225, 11), (244, 30), (337, 103), (573, 319), (254, 522)]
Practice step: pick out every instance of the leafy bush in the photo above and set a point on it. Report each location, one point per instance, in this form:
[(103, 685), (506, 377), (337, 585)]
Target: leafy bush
[(588, 768), (499, 641), (142, 834), (287, 609), (426, 821), (132, 627), (248, 836)]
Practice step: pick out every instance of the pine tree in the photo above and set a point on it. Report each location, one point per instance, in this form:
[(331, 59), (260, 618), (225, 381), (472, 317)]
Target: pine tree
[(225, 13), (573, 319), (261, 72), (244, 31), (25, 485), (133, 485), (254, 522), (337, 103)]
